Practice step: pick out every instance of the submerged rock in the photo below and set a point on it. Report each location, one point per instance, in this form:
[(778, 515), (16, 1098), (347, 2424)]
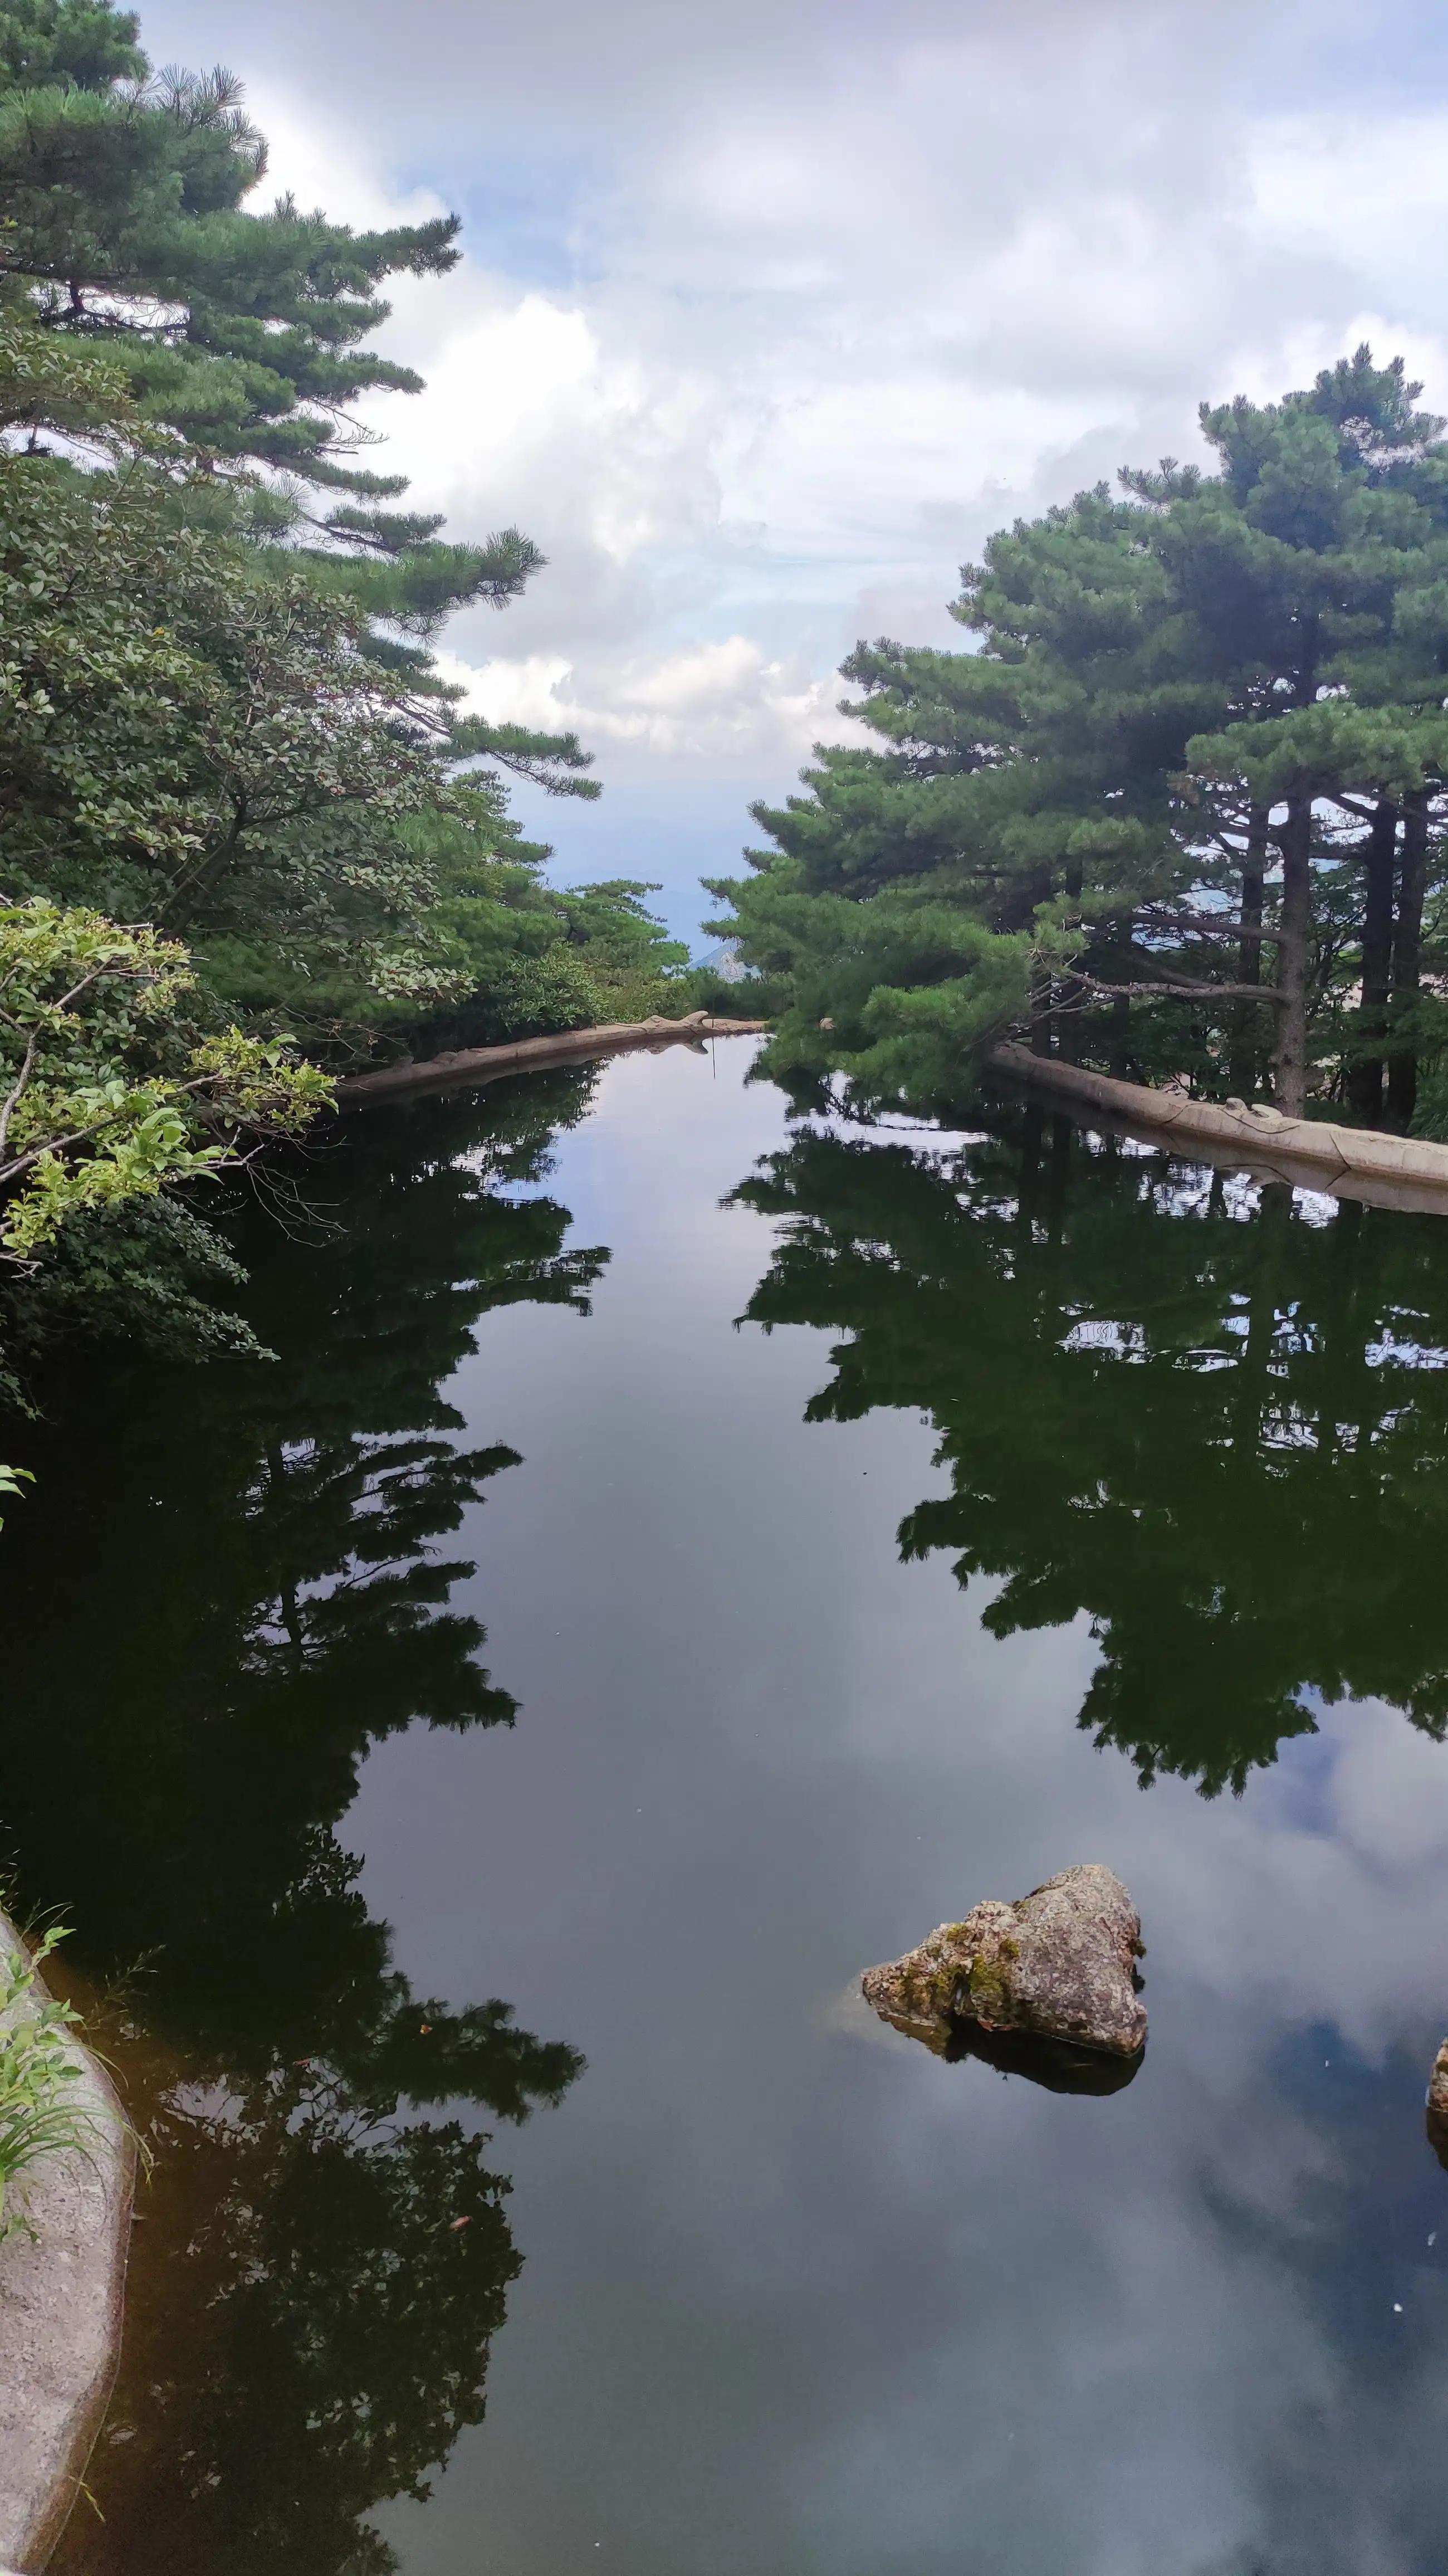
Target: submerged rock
[(1059, 1965), (1438, 2105)]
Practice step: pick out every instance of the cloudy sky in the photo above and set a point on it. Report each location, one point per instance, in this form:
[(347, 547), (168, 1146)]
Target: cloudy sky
[(771, 312)]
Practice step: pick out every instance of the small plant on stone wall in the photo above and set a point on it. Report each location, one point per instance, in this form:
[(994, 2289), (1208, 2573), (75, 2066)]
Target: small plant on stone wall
[(39, 2071)]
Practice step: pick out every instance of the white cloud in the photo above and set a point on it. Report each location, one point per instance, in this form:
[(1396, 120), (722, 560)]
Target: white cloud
[(1365, 185), (767, 322), (315, 159), (712, 708)]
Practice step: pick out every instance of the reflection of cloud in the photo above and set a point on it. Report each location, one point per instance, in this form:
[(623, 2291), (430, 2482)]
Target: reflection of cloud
[(1152, 2371), (842, 2309)]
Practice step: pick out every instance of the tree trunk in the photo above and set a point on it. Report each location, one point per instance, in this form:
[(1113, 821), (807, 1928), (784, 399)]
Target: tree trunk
[(1118, 1037), (1365, 1075), (1403, 1065), (190, 892), (1067, 997), (1294, 940), (1246, 1046), (1017, 906)]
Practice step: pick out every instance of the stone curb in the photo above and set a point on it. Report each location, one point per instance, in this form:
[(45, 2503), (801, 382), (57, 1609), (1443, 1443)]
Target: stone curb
[(60, 2320), (526, 1055), (1348, 1162)]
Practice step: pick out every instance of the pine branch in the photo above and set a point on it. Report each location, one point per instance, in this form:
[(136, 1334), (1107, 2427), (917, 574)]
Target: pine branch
[(1194, 992)]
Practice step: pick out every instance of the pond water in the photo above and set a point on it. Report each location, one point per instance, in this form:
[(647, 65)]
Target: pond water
[(862, 1522)]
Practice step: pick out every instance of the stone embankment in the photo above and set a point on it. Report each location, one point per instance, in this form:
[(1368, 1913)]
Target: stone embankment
[(61, 2290), (1312, 1153), (530, 1055)]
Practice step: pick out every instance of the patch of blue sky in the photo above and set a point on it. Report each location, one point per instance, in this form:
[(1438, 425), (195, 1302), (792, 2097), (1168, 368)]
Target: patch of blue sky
[(526, 233), (669, 830)]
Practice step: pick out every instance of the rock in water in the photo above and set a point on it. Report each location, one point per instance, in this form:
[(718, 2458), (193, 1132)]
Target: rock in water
[(1438, 2105), (1059, 1964)]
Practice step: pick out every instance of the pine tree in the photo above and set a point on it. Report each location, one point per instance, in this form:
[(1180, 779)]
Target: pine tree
[(992, 865), (1309, 554), (1204, 730), (245, 334)]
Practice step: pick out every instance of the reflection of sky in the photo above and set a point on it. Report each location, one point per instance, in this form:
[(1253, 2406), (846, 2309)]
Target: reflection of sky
[(800, 2300)]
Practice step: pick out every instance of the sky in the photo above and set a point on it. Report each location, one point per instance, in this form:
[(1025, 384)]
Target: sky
[(770, 313)]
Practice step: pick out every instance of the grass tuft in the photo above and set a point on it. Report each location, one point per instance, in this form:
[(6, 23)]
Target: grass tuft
[(39, 2070)]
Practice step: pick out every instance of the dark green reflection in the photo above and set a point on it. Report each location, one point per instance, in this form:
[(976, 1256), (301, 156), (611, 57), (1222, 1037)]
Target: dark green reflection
[(251, 1599), (1221, 1434)]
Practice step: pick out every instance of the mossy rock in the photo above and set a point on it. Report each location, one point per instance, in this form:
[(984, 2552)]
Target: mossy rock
[(1059, 1964)]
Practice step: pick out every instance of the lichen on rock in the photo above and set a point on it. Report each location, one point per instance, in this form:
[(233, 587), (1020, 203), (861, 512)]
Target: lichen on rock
[(1058, 1964)]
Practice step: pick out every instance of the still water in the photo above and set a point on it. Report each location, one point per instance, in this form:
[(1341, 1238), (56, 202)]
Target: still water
[(678, 1557)]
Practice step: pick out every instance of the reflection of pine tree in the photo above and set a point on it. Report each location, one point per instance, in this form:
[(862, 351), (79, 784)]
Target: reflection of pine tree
[(310, 2301), (1212, 1436), (250, 1601)]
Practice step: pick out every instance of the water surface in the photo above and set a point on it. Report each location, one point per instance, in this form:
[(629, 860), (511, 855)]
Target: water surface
[(861, 1523)]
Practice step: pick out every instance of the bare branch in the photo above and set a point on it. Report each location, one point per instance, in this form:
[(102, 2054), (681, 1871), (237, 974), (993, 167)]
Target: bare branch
[(133, 973), (1211, 925), (20, 1083), (1194, 992)]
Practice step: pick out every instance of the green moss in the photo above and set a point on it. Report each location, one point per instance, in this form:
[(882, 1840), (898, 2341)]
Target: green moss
[(989, 1988)]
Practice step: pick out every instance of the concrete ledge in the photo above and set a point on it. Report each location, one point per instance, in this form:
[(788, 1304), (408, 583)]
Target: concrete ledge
[(1348, 1162), (60, 2319), (527, 1055)]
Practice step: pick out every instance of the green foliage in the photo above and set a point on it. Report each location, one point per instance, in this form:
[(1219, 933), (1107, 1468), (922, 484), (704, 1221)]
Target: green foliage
[(535, 960), (125, 225), (11, 1480), (39, 2071), (631, 961), (50, 384), (1210, 680), (219, 713), (85, 46), (101, 1105), (192, 737), (198, 736), (538, 994), (243, 333), (1423, 1027), (221, 724)]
